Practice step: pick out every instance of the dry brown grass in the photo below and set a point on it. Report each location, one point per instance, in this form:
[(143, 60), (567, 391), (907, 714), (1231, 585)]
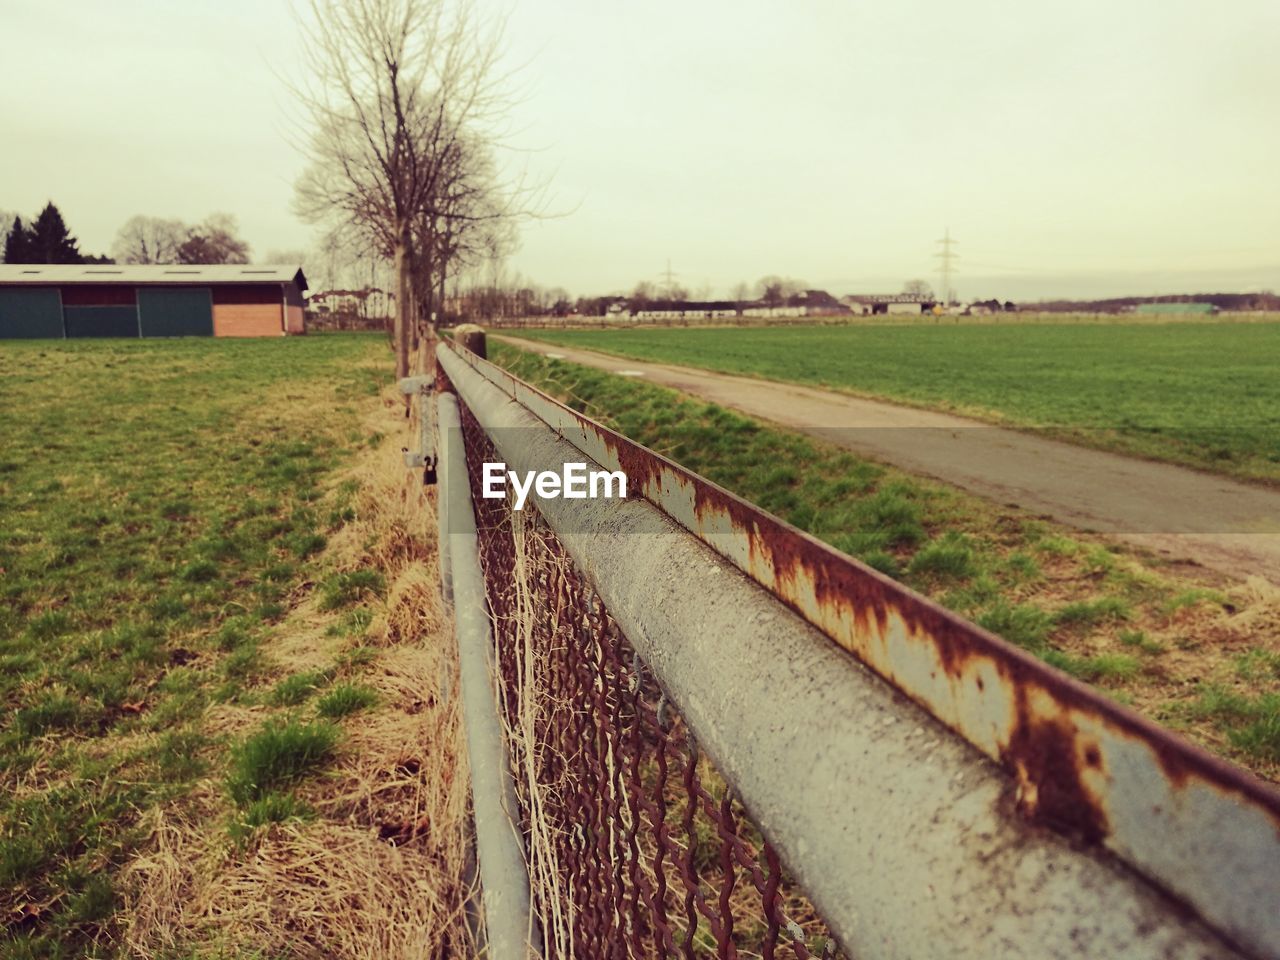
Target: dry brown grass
[(380, 870)]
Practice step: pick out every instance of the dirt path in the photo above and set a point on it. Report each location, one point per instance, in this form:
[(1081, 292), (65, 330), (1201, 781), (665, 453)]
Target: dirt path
[(1173, 511)]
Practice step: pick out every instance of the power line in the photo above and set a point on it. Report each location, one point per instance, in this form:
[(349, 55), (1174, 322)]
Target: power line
[(946, 256)]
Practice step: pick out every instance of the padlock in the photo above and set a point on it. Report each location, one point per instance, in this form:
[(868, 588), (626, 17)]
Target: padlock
[(429, 473)]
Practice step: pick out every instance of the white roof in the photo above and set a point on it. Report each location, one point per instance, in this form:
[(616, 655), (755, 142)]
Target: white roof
[(168, 273)]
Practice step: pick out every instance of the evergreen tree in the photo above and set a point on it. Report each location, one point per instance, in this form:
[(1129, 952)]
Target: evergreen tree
[(17, 245), (51, 241)]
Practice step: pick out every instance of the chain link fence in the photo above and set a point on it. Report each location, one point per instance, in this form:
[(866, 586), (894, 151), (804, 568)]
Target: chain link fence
[(637, 847)]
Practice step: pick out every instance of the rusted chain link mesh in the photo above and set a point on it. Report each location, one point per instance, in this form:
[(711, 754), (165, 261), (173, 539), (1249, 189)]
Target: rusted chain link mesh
[(637, 848)]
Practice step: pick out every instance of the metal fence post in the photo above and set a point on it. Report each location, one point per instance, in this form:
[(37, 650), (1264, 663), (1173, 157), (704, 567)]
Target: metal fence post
[(511, 931)]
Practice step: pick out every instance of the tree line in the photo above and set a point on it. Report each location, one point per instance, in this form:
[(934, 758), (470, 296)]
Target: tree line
[(45, 240), (142, 239)]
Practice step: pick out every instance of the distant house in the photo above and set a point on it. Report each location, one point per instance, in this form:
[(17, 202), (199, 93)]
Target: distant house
[(817, 303), (982, 308), (118, 300)]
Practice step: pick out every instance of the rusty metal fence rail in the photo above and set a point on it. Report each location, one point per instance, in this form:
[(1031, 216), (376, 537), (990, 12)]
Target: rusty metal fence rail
[(730, 740)]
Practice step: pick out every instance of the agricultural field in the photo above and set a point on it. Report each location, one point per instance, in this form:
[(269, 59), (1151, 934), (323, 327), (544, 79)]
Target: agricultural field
[(1194, 654), (1203, 394), (202, 692)]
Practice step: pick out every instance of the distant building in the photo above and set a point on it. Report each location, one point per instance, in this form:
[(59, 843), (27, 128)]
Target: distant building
[(685, 310), (898, 303), (109, 300), (982, 308), (780, 310), (817, 303), (806, 303)]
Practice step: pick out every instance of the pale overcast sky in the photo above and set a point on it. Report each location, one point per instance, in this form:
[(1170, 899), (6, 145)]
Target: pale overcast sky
[(1073, 148)]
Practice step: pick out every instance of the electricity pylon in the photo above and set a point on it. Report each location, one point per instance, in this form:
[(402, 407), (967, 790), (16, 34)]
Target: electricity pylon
[(946, 256)]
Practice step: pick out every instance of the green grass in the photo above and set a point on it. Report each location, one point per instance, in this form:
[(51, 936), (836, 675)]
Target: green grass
[(948, 558), (1088, 613), (346, 589), (1024, 624), (294, 689), (1258, 664), (277, 755), (1100, 668), (155, 500), (272, 808), (1139, 640), (1189, 599), (1252, 722), (1203, 394), (344, 699)]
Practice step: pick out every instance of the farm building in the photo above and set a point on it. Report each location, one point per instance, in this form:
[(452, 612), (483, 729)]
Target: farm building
[(110, 300), (871, 303), (806, 303), (686, 310)]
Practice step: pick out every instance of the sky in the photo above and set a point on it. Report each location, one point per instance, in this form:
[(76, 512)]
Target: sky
[(1073, 149)]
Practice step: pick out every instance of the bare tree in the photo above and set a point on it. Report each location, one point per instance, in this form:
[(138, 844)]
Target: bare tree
[(775, 290), (642, 295), (149, 240), (214, 241), (918, 288), (470, 220), (288, 257), (397, 87)]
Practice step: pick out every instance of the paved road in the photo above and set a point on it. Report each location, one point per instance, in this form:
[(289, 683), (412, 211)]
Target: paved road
[(1185, 515)]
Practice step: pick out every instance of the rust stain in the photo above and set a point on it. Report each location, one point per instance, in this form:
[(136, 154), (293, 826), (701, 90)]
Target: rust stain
[(1044, 755), (642, 473)]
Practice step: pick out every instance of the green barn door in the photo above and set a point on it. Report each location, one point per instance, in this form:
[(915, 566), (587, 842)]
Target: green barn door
[(101, 321), (175, 311), (30, 312)]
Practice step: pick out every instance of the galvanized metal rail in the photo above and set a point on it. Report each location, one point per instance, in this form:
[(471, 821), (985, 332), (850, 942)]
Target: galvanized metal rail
[(510, 930), (935, 853)]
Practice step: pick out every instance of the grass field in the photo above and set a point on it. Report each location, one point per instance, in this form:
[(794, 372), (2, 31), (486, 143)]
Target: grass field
[(164, 507), (1191, 654), (1202, 394)]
